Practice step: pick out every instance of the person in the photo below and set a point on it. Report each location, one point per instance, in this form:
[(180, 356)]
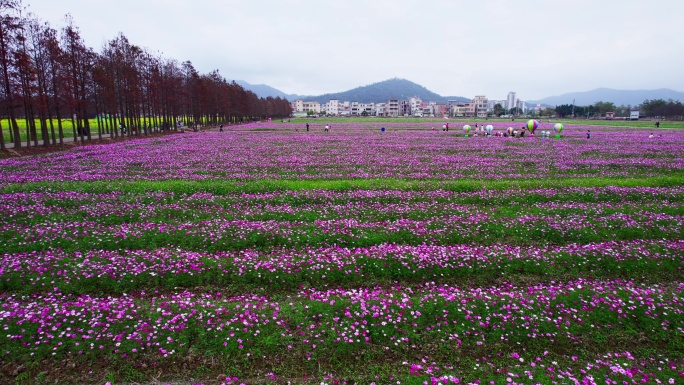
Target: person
[(650, 136), (307, 127), (221, 128), (657, 125), (443, 127), (327, 128), (447, 126), (589, 134)]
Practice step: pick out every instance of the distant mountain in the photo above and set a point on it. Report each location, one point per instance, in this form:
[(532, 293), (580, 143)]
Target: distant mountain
[(374, 93), (383, 91), (403, 89), (618, 97), (263, 91)]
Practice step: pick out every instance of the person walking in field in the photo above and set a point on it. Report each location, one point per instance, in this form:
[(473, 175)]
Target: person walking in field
[(307, 127)]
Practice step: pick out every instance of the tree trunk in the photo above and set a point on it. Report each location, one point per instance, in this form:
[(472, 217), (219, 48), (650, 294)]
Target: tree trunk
[(52, 129), (2, 138)]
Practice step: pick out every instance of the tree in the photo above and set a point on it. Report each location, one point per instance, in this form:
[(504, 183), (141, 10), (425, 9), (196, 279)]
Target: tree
[(564, 110), (662, 108), (549, 112), (601, 108), (499, 110), (79, 61), (10, 26)]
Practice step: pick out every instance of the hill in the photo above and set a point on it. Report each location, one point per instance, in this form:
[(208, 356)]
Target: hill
[(263, 90), (619, 97), (383, 91), (403, 89), (373, 93)]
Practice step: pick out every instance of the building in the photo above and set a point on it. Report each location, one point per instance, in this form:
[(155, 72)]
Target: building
[(511, 101), (481, 106), (520, 104), (404, 108), (416, 105), (392, 108), (380, 109), (302, 106), (368, 108), (355, 109), (332, 107)]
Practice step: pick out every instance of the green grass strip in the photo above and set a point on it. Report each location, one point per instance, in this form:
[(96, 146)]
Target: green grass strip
[(231, 186)]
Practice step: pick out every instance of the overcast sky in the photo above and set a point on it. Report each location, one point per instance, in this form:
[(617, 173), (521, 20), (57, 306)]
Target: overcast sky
[(537, 48)]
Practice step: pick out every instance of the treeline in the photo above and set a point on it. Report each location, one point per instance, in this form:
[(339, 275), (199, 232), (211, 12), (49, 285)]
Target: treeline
[(660, 108), (50, 76), (670, 109)]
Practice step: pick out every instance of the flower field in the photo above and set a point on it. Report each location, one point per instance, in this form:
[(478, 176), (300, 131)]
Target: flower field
[(267, 254)]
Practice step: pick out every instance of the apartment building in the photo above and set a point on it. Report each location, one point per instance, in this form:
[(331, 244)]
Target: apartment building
[(302, 106), (380, 109), (332, 107), (404, 108), (481, 107), (392, 108), (511, 101)]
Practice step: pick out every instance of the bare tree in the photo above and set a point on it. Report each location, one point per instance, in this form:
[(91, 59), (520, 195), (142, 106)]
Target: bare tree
[(10, 25)]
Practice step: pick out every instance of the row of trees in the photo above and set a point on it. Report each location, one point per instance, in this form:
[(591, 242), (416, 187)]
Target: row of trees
[(654, 108), (670, 109), (49, 76)]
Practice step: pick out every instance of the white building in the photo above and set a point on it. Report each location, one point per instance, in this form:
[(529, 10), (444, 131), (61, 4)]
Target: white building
[(368, 108), (344, 108), (302, 106), (380, 109), (511, 101), (332, 107), (415, 105), (392, 108), (520, 104), (481, 106)]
